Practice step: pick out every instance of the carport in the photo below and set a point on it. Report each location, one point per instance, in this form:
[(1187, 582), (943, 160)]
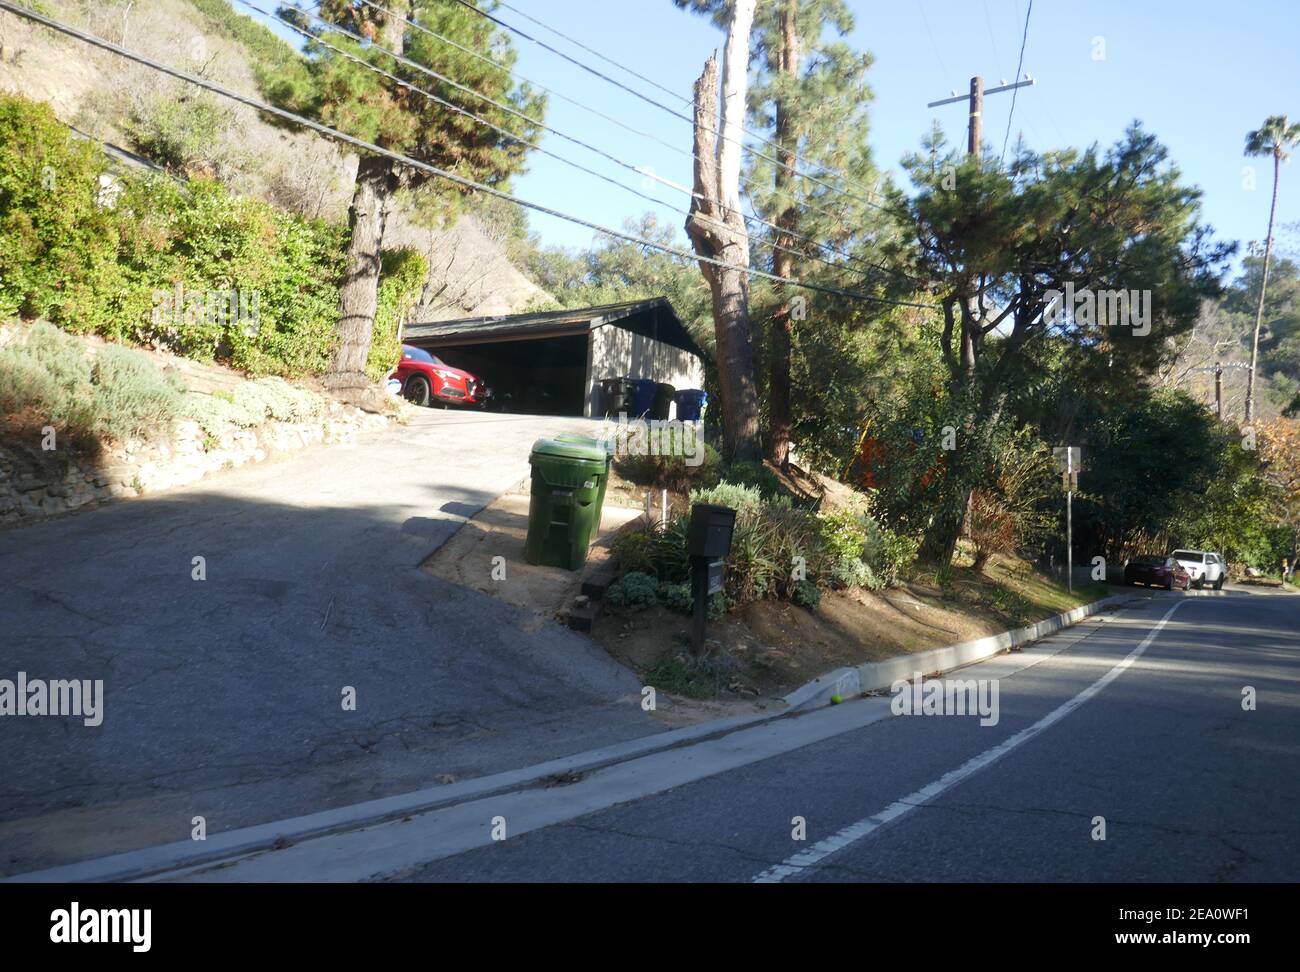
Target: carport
[(551, 363)]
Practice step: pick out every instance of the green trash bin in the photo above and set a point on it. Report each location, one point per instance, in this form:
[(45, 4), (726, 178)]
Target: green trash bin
[(564, 510), (608, 450)]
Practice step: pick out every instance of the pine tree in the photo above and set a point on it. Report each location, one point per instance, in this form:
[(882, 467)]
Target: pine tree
[(335, 89)]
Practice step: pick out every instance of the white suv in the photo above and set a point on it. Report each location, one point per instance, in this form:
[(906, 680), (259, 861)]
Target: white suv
[(1205, 568)]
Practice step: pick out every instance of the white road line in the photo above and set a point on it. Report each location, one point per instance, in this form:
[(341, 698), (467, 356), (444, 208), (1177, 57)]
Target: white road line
[(853, 833)]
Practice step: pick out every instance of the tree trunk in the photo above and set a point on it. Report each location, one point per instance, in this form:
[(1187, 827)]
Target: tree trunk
[(717, 231), (359, 295), (787, 139), (1263, 288)]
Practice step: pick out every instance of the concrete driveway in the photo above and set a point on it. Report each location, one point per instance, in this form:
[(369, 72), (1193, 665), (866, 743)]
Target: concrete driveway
[(224, 697)]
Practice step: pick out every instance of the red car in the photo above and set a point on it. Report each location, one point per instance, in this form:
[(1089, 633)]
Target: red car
[(427, 379), (1163, 572)]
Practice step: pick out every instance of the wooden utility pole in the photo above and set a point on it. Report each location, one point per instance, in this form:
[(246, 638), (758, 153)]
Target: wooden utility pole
[(975, 101)]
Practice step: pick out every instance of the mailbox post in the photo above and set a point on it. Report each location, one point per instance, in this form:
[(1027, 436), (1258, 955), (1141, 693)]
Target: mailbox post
[(708, 541)]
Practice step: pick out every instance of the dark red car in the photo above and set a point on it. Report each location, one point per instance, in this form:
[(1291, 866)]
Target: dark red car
[(1163, 572), (427, 379)]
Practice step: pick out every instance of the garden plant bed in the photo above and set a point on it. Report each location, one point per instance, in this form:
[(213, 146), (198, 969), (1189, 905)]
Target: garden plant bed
[(768, 648)]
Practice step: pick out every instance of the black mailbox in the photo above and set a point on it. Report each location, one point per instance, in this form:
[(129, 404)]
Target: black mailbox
[(710, 530)]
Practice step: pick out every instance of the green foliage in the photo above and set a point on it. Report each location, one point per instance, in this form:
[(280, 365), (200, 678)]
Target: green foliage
[(635, 592), (806, 595), (671, 472), (633, 550), (166, 263), (57, 247), (677, 597), (844, 533), (890, 555), (332, 87), (851, 572), (251, 404), (49, 379), (1042, 224), (179, 132), (401, 281), (669, 550)]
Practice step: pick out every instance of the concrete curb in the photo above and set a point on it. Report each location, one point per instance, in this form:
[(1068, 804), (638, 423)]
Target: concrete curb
[(149, 861), (872, 676)]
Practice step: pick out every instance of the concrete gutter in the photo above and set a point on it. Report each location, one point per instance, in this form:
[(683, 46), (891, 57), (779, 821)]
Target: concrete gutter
[(148, 861), (873, 676)]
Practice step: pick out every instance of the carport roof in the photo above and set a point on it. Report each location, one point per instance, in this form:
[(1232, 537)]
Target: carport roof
[(653, 318)]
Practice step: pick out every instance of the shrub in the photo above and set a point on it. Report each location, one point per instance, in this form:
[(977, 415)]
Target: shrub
[(633, 548), (131, 396), (669, 550), (758, 476), (677, 597), (844, 533), (58, 248), (742, 499), (806, 595), (671, 472), (92, 268), (401, 280), (851, 572), (179, 130), (251, 404), (890, 555), (636, 592), (48, 378)]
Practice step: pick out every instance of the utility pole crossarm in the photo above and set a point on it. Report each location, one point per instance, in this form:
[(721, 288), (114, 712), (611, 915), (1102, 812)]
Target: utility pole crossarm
[(976, 101)]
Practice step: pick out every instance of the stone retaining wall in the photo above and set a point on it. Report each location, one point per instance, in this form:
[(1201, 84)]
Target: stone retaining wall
[(30, 491)]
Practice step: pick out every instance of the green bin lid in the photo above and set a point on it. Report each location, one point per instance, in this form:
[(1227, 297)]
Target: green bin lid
[(584, 449), (604, 445)]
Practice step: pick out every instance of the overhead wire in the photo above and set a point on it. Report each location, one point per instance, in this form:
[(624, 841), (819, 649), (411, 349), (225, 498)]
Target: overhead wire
[(432, 170)]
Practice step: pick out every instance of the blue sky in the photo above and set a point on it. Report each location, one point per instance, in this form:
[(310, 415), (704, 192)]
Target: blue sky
[(1197, 73)]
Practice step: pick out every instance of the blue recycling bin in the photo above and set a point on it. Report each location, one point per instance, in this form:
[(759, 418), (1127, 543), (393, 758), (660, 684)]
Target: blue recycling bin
[(643, 396), (690, 404)]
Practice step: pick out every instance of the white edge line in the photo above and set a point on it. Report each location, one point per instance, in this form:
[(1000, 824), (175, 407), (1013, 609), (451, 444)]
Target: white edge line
[(864, 828)]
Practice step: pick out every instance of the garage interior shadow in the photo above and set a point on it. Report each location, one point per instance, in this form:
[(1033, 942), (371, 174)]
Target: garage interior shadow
[(528, 377)]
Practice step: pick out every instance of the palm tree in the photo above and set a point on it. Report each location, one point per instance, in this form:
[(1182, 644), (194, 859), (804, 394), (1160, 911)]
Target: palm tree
[(1273, 138)]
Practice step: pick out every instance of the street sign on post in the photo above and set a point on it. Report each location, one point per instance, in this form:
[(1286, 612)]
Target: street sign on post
[(1069, 460)]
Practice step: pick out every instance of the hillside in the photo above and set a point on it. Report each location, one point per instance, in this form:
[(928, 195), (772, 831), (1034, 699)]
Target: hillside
[(138, 109)]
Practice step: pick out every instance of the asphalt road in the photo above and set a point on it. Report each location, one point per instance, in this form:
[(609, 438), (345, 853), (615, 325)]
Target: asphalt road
[(223, 697), (1117, 720)]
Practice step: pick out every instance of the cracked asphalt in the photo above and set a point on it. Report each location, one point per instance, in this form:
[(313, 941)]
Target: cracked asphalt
[(223, 697), (1192, 787)]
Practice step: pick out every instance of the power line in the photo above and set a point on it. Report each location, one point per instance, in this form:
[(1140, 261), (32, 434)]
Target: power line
[(426, 167), (672, 111), (748, 184), (608, 60), (1019, 65), (369, 45), (499, 129)]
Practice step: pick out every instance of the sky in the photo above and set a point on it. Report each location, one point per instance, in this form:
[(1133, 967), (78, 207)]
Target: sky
[(1198, 74)]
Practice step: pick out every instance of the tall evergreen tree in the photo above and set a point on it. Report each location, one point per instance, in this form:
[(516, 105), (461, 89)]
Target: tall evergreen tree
[(344, 94), (810, 99)]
